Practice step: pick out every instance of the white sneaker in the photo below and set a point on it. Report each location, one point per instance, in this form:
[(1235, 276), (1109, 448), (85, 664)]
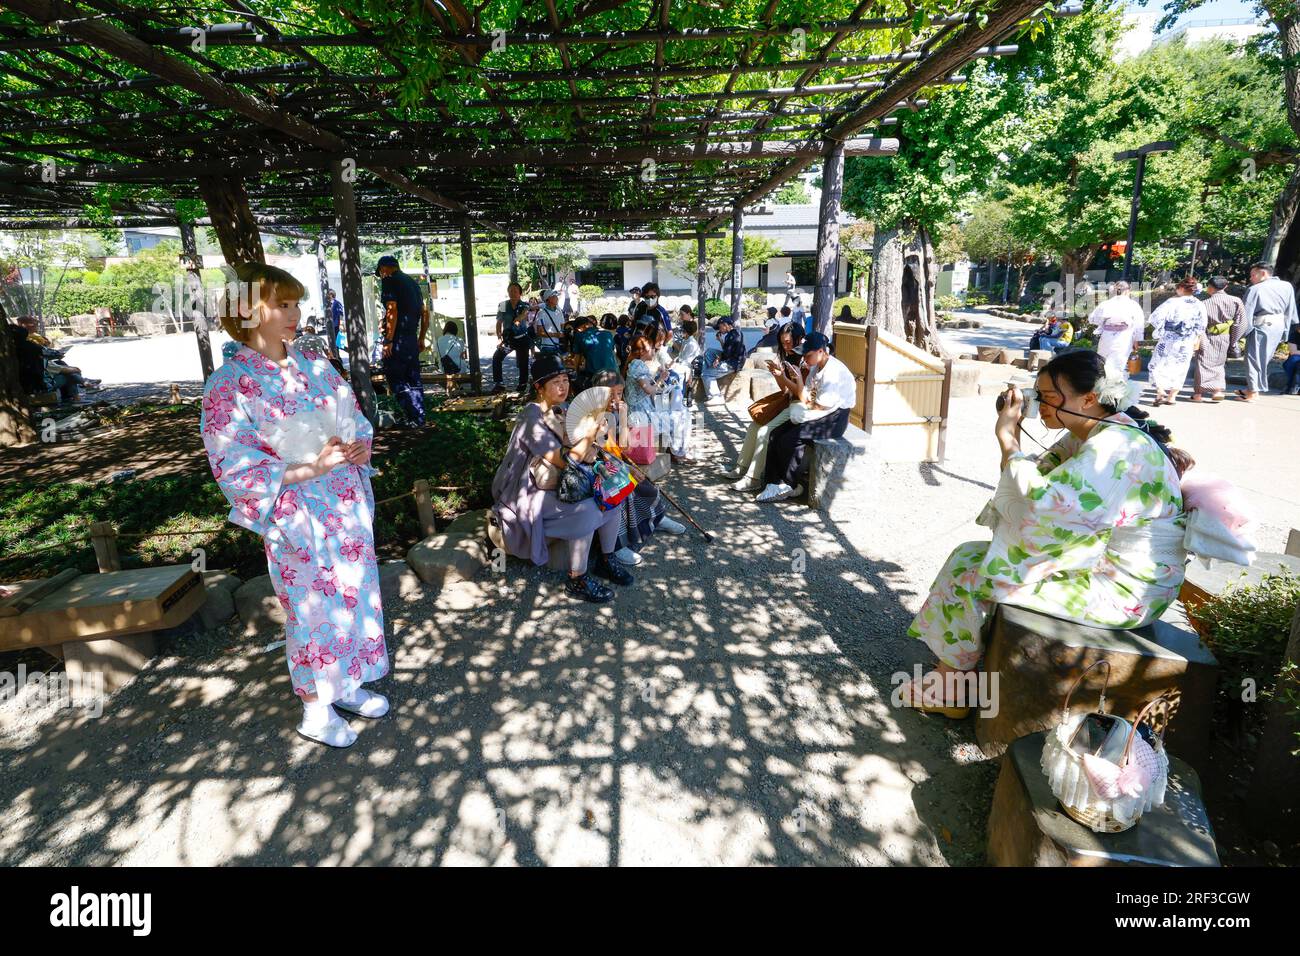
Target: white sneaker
[(669, 526), (334, 732), (628, 556), (365, 703), (779, 492)]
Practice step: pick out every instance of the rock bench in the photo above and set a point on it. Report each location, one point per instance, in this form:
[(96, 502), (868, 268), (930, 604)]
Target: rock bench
[(1027, 827), (1037, 657), (843, 475)]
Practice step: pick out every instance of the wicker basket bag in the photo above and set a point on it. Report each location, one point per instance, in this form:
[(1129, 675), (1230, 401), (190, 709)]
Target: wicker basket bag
[(1107, 783)]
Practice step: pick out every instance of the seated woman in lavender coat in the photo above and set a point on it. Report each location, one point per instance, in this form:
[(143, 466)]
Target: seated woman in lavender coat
[(530, 517)]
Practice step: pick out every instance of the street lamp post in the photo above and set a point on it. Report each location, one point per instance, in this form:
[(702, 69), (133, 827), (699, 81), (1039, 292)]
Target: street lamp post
[(1140, 154)]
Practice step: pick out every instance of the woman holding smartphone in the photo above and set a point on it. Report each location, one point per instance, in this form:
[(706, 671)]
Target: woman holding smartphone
[(789, 375)]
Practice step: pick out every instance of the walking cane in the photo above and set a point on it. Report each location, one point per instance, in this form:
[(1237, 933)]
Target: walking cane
[(640, 476)]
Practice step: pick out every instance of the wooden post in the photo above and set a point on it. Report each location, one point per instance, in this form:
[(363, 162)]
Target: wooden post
[(737, 260), (424, 506), (227, 203), (700, 272), (943, 409), (512, 257), (354, 313), (471, 304), (104, 537), (828, 237), (194, 305), (323, 280), (869, 379)]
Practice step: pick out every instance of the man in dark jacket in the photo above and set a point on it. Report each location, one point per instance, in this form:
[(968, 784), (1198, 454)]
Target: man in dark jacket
[(405, 324), (723, 361)]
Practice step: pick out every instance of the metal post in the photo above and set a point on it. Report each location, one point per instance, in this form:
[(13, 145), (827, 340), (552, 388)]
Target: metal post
[(194, 304), (700, 273), (323, 279), (512, 256), (737, 260), (471, 305), (354, 313), (1133, 213), (828, 237)]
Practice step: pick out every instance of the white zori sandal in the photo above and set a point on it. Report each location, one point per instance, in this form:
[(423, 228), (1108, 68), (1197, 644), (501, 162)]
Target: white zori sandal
[(332, 732), (364, 703)]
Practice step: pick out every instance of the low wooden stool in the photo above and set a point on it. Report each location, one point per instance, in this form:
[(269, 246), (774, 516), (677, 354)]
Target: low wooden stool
[(1027, 827), (1037, 657)]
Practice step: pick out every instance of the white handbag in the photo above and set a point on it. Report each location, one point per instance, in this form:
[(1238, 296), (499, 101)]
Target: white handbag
[(1109, 780)]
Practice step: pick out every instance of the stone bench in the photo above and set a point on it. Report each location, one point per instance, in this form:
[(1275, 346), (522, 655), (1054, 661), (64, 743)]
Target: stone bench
[(1027, 827), (1037, 657), (843, 475), (100, 624)]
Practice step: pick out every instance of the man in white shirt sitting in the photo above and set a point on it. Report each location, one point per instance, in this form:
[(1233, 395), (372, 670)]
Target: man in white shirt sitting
[(828, 392)]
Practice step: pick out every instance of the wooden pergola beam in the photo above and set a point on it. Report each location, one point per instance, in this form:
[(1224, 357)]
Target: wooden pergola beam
[(379, 161)]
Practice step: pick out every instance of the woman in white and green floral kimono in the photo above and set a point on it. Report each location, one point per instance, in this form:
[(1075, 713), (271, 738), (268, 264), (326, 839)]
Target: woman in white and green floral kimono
[(1091, 531)]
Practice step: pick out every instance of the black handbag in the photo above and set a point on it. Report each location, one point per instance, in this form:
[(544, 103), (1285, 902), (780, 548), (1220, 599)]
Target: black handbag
[(575, 482)]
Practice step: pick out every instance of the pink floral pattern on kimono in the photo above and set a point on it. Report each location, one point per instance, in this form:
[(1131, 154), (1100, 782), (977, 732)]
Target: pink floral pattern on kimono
[(318, 534)]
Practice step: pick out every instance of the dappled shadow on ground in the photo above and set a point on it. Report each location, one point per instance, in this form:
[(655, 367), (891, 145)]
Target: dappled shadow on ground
[(730, 708)]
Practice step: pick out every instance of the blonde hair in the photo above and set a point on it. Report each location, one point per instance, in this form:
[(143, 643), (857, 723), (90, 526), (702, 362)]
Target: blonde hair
[(272, 283)]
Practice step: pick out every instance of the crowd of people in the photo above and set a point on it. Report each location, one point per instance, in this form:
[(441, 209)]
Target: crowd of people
[(641, 367), (1194, 329)]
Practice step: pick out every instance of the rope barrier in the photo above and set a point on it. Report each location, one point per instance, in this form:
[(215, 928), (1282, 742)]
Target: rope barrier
[(142, 535)]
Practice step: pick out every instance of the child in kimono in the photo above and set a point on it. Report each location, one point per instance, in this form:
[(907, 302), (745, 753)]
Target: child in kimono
[(290, 450), (1091, 532)]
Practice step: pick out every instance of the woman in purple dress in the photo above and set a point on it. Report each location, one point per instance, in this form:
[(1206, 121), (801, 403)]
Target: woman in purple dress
[(529, 515), (290, 450)]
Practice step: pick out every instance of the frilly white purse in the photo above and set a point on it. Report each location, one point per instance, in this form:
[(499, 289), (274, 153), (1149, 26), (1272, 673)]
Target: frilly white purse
[(1111, 776)]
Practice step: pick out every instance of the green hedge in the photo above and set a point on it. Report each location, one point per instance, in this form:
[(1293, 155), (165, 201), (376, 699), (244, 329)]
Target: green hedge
[(714, 307), (857, 306), (80, 298)]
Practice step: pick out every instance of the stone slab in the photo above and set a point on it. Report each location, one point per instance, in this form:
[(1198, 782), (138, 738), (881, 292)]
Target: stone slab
[(843, 475), (1027, 827), (1037, 658), (450, 555), (258, 608)]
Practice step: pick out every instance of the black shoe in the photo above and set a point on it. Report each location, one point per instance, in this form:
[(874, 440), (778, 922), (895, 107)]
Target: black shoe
[(589, 590), (498, 388), (611, 569)]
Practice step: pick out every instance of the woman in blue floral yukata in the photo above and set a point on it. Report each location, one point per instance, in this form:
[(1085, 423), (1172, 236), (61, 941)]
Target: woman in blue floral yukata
[(290, 450), (1092, 531)]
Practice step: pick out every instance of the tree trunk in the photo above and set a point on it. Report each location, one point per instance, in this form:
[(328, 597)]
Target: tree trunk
[(925, 333), (1074, 262), (885, 290), (15, 423), (227, 203), (1282, 247)]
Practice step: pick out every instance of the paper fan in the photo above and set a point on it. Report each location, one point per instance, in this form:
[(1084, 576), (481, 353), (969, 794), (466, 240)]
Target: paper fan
[(585, 409)]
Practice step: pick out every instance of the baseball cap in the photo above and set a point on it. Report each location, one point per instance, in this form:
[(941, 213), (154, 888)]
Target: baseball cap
[(386, 261), (815, 341)]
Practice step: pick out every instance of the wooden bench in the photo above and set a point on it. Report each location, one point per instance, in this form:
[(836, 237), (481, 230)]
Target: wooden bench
[(1037, 657), (100, 622), (1027, 827)]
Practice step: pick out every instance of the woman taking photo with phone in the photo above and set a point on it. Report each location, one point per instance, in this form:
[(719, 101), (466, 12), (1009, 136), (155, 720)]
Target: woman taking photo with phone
[(753, 453), (1091, 531)]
